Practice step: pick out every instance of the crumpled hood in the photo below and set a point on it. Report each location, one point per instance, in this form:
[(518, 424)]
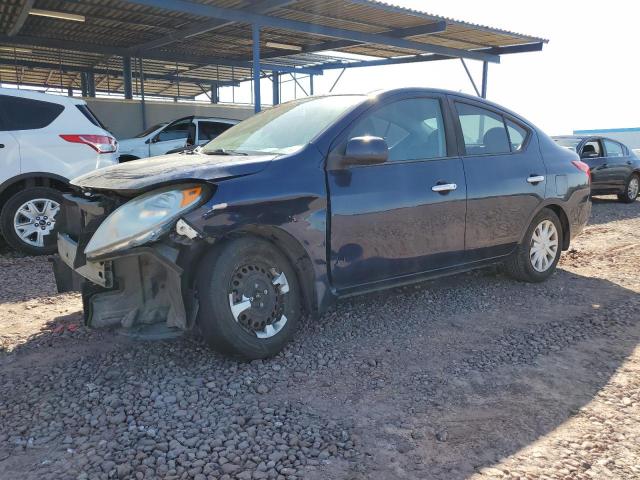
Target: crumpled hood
[(142, 175)]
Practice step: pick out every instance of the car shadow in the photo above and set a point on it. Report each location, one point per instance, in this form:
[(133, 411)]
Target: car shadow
[(434, 381)]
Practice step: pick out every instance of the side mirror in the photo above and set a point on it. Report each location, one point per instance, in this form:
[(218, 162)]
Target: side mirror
[(589, 155), (365, 151)]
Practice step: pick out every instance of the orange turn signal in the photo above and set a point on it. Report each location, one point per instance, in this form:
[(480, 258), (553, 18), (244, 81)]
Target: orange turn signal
[(190, 195)]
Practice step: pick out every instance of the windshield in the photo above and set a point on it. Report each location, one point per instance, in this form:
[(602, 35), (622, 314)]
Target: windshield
[(150, 130), (571, 143), (285, 128)]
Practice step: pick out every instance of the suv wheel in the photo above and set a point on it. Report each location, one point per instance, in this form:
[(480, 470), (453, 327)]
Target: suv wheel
[(536, 258), (249, 299), (631, 190), (28, 220)]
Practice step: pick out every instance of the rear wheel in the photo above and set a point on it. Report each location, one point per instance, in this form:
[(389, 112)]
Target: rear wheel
[(28, 220), (537, 256), (249, 299), (631, 189)]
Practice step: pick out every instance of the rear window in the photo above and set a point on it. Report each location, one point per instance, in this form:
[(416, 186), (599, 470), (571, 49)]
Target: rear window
[(86, 111), (26, 113)]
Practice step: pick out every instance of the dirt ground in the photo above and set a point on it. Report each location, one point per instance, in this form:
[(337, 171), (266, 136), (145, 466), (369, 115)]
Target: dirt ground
[(473, 376)]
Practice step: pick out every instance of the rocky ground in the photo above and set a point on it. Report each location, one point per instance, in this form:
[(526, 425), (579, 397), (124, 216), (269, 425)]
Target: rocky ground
[(473, 376)]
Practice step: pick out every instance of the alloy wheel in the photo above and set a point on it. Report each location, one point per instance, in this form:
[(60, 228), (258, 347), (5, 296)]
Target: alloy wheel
[(544, 246), (632, 189), (35, 219)]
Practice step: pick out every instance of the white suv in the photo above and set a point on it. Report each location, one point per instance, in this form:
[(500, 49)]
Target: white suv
[(45, 140), (172, 137)]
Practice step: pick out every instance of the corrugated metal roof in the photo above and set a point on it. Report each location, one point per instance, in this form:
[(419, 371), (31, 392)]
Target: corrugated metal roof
[(115, 27)]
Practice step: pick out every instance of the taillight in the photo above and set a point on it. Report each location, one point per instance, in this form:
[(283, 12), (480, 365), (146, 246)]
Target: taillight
[(100, 143), (580, 165)]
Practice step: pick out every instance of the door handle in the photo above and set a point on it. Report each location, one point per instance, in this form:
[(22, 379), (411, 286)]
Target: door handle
[(1, 145), (444, 187), (533, 179)]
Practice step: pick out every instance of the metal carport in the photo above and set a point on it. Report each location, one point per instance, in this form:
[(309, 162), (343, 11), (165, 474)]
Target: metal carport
[(181, 49)]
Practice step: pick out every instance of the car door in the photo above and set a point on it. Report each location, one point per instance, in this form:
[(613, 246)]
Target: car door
[(171, 137), (592, 153), (208, 130), (506, 178), (9, 155), (619, 163), (404, 216)]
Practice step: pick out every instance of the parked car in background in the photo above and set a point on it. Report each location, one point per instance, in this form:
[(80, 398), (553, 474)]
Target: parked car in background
[(187, 132), (314, 200), (45, 140), (614, 167)]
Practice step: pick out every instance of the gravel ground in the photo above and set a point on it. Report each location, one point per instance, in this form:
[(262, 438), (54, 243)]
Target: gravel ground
[(473, 376)]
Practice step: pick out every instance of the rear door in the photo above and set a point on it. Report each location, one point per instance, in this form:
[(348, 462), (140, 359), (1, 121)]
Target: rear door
[(505, 174), (208, 130), (619, 163), (404, 216), (593, 154), (9, 153), (171, 137)]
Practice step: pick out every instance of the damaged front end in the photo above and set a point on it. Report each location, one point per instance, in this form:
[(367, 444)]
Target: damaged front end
[(125, 255)]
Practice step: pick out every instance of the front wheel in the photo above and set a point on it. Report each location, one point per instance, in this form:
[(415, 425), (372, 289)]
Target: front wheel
[(249, 299), (536, 258), (28, 220), (631, 190)]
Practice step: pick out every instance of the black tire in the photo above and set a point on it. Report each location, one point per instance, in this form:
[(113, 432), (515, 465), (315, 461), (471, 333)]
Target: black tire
[(219, 275), (628, 196), (520, 266), (8, 214)]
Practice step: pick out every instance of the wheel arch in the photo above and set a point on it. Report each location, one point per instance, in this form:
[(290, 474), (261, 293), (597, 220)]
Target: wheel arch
[(564, 222), (127, 158), (31, 179)]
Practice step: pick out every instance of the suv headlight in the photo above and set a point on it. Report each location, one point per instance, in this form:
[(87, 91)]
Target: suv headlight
[(143, 219)]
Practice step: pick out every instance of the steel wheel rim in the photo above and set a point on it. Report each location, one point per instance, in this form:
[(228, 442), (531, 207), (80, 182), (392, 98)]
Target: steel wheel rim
[(634, 186), (544, 246), (35, 219), (257, 299)]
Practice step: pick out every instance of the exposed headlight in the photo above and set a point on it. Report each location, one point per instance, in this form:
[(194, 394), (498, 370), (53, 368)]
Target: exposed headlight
[(143, 219)]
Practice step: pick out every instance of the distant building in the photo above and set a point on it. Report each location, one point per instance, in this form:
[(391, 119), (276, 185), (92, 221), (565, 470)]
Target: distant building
[(629, 136)]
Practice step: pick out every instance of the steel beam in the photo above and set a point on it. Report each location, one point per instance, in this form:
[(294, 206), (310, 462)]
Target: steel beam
[(235, 15), (485, 73), (143, 106), (126, 75), (255, 33), (430, 28), (151, 55), (275, 84), (473, 83), (21, 18), (105, 71), (264, 6), (91, 83)]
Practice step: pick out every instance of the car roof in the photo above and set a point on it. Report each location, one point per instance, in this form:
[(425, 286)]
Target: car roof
[(46, 97)]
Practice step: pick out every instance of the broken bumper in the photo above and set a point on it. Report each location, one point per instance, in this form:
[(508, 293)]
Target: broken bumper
[(140, 286)]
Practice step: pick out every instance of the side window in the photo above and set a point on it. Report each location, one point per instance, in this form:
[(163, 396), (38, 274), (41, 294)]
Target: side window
[(210, 130), (27, 114), (176, 131), (483, 130), (614, 149), (591, 149), (517, 135), (413, 129)]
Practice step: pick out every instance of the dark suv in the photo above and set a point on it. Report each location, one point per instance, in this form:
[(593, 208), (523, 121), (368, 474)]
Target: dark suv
[(314, 200)]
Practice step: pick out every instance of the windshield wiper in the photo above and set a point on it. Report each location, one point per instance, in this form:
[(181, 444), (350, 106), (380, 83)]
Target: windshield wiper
[(224, 151)]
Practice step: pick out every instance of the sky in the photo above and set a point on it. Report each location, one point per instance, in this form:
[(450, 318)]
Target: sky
[(586, 77)]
